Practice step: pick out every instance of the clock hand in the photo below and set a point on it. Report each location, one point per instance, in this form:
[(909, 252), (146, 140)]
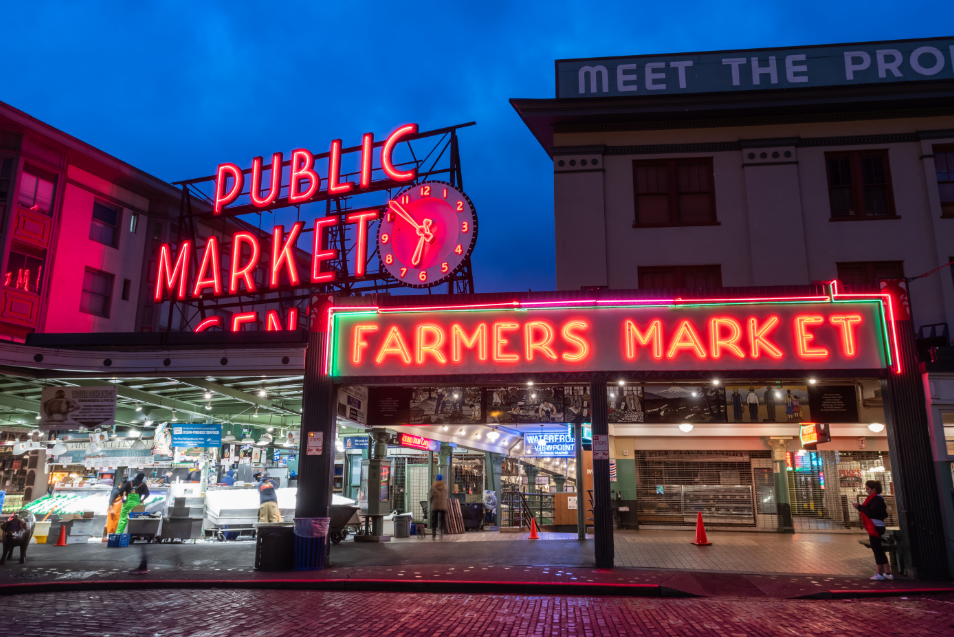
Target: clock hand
[(418, 252), (425, 230), (396, 207)]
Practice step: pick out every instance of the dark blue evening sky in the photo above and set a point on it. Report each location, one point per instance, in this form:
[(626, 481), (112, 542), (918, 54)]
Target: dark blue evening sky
[(175, 88)]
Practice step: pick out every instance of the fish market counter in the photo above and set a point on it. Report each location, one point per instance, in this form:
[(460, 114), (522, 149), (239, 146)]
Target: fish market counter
[(94, 499), (236, 508)]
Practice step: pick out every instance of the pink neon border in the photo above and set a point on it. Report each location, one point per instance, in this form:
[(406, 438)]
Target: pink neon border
[(515, 305)]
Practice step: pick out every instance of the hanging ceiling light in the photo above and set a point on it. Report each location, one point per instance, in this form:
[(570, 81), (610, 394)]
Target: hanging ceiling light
[(228, 437), (208, 406), (208, 395), (264, 440), (138, 407), (58, 449), (262, 392), (174, 418), (685, 427), (255, 415), (38, 416), (138, 445), (715, 381), (147, 422), (248, 440), (493, 435), (876, 427)]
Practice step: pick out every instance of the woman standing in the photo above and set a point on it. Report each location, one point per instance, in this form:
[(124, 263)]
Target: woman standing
[(789, 406), (136, 493), (873, 512)]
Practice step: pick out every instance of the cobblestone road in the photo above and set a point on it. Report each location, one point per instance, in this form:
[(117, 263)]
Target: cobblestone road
[(291, 613)]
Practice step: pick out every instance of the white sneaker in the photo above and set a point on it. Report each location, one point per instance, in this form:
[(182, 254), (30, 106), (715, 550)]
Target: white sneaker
[(877, 577), (889, 576)]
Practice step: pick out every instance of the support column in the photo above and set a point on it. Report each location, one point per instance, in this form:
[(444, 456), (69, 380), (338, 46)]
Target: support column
[(912, 465), (580, 496), (559, 481), (602, 502), (532, 471), (783, 505), (318, 418), (494, 464)]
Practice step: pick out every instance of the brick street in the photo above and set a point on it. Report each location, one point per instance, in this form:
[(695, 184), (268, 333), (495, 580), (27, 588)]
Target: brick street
[(292, 613)]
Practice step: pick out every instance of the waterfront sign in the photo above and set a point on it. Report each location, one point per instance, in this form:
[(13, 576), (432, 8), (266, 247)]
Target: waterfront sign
[(887, 62), (548, 445)]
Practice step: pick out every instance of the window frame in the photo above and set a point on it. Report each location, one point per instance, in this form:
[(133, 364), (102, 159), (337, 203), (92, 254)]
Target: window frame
[(93, 221), (869, 270), (944, 148), (672, 164), (857, 184), (37, 173), (109, 297), (679, 273)]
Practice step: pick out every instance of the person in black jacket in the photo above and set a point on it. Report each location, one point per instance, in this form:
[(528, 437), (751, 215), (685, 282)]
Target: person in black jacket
[(873, 513)]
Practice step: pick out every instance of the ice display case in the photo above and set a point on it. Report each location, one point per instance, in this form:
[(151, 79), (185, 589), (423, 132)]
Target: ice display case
[(79, 500), (237, 507)]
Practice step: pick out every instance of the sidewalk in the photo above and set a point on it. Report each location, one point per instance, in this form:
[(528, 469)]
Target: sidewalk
[(418, 565)]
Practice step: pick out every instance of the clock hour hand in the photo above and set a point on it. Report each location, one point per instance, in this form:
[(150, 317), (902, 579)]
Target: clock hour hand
[(401, 212), (418, 252)]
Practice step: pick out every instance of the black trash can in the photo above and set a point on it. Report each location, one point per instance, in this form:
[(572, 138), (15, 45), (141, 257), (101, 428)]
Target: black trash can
[(275, 547)]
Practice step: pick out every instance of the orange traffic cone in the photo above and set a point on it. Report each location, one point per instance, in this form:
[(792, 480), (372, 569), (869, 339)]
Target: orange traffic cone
[(61, 541), (701, 539), (533, 530)]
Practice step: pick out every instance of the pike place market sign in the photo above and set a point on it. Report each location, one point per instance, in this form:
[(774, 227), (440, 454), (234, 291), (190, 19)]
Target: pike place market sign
[(813, 333)]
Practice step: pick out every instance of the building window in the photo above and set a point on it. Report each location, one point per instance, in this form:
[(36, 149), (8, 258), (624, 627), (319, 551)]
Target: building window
[(944, 165), (674, 192), (36, 189), (24, 272), (680, 276), (869, 272), (859, 185), (97, 289), (127, 284), (105, 225), (133, 222)]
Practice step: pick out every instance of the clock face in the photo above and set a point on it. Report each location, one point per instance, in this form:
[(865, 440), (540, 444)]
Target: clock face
[(426, 234)]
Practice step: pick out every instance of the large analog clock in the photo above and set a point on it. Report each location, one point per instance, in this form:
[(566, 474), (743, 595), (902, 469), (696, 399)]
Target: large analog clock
[(426, 234)]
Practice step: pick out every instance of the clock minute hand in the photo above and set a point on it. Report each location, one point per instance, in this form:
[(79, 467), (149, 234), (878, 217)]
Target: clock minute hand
[(418, 252), (396, 207)]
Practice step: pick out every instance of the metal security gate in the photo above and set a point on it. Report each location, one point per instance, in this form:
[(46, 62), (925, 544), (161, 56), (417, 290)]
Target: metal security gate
[(674, 486)]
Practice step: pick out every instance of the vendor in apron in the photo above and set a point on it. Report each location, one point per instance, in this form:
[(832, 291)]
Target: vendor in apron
[(136, 493)]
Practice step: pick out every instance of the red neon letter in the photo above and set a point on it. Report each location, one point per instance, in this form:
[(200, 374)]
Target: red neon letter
[(631, 335), (424, 348), (334, 171), (284, 254), (212, 321), (210, 261), (500, 341), (686, 338), (167, 275), (758, 336), (245, 272), (293, 318), (479, 339), (730, 343), (318, 255), (223, 198), (361, 242), (273, 322), (302, 167), (388, 149), (359, 342), (239, 319), (394, 344), (803, 338), (367, 146), (256, 190), (847, 322), (583, 349), (543, 346)]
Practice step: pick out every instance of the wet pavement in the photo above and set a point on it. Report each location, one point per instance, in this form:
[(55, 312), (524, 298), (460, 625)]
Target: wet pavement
[(357, 614)]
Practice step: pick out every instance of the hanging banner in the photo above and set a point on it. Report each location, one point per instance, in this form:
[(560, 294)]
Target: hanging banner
[(162, 441), (63, 408), (197, 435)]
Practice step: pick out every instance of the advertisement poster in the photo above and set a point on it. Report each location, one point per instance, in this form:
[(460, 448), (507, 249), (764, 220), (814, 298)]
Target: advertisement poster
[(353, 403), (445, 405), (767, 403), (292, 439), (162, 442), (833, 403), (355, 442), (196, 435), (63, 408), (525, 404), (683, 403), (625, 403)]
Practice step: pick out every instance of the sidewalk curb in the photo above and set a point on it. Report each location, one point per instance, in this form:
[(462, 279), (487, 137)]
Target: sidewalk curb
[(380, 585), (885, 592)]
